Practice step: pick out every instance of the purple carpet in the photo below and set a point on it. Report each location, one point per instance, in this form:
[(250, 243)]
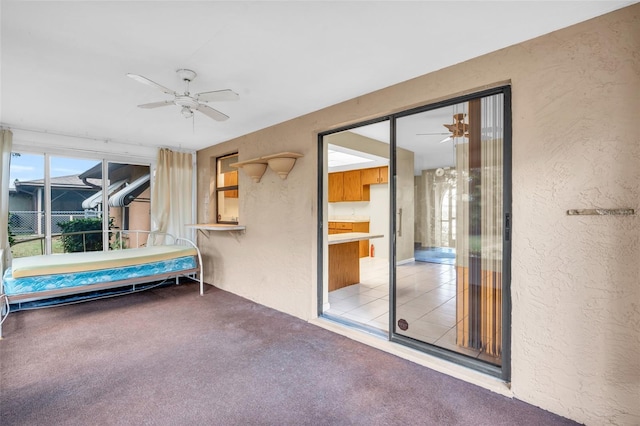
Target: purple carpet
[(170, 357)]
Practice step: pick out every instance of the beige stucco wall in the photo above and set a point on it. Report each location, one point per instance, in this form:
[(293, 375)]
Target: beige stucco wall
[(575, 285)]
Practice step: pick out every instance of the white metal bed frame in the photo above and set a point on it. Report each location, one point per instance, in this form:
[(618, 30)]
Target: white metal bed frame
[(197, 271)]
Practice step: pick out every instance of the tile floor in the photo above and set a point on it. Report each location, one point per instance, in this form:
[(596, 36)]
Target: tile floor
[(426, 299)]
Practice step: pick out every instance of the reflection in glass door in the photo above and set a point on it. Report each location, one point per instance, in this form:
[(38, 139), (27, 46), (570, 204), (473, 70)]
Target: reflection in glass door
[(451, 230)]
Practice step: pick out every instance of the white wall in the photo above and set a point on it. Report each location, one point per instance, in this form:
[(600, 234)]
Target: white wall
[(379, 223), (376, 209)]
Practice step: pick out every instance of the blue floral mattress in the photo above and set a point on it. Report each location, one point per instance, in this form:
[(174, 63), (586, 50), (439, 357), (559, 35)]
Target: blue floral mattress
[(34, 284)]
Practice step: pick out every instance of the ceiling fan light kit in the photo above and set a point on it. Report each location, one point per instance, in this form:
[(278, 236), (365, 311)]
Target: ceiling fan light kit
[(186, 112), (187, 102)]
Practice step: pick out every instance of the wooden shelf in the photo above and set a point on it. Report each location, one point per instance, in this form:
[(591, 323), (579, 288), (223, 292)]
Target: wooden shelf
[(216, 227)]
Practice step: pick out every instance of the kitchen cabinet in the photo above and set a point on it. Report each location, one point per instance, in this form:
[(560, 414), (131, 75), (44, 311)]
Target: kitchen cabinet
[(336, 184), (344, 261), (231, 179), (354, 185), (344, 227), (344, 266), (346, 186), (374, 175)]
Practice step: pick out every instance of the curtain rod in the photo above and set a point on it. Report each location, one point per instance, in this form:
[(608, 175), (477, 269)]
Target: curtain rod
[(71, 135)]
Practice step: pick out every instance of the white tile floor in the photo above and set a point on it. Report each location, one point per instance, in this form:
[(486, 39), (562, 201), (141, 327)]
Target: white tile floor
[(426, 299)]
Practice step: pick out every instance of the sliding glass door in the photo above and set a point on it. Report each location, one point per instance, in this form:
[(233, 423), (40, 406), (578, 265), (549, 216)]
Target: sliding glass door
[(452, 224), (437, 270)]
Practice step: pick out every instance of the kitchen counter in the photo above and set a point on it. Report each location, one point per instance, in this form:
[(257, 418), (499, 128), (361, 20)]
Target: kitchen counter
[(344, 258), (349, 237)]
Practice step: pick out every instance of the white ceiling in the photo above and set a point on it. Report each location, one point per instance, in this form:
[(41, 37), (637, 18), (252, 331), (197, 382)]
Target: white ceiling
[(64, 63)]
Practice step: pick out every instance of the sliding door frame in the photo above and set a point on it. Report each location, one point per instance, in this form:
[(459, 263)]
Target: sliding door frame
[(503, 371), (321, 199)]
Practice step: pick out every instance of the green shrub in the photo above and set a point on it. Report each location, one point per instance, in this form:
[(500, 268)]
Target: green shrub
[(88, 241), (13, 219), (12, 240)]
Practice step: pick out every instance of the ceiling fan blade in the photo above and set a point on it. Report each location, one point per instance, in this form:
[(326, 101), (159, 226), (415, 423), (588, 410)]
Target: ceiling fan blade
[(448, 138), (146, 81), (156, 104), (432, 134), (218, 96), (212, 113)]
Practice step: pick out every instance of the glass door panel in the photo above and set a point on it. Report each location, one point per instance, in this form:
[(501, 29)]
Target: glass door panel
[(449, 228), (356, 237)]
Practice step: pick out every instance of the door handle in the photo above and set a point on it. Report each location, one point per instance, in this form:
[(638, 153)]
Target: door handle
[(507, 227)]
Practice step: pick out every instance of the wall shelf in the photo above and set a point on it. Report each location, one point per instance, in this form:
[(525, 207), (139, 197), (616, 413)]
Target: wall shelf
[(217, 227), (253, 168), (281, 163)]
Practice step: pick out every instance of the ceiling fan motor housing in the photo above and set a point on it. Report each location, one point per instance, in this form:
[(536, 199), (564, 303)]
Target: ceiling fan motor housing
[(185, 101)]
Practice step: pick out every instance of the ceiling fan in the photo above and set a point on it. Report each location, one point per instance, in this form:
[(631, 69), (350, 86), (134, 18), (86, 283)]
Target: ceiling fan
[(458, 129), (187, 101)]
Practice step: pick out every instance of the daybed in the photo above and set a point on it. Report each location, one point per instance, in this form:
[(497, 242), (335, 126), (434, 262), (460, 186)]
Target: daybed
[(43, 277)]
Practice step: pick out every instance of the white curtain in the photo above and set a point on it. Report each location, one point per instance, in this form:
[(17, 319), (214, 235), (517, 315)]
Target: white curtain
[(5, 151), (172, 195), (480, 229)]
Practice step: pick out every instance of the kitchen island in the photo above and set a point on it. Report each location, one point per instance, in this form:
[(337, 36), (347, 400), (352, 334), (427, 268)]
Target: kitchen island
[(344, 258)]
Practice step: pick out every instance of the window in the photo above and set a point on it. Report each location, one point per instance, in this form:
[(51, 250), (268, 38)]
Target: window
[(56, 204), (227, 189)]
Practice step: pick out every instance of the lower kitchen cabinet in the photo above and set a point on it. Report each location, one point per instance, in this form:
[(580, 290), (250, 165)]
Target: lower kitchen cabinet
[(343, 227)]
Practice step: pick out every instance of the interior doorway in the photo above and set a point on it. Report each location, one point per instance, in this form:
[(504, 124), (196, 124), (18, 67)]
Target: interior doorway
[(357, 229)]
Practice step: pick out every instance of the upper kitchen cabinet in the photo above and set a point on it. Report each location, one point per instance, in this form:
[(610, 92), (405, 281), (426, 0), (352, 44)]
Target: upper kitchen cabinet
[(231, 179), (352, 186), (345, 186), (374, 175), (336, 184)]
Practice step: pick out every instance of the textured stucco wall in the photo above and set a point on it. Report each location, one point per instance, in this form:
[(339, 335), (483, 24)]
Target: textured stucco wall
[(576, 291), (575, 285)]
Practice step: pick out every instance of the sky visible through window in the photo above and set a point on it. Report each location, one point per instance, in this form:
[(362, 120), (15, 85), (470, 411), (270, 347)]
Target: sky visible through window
[(26, 167)]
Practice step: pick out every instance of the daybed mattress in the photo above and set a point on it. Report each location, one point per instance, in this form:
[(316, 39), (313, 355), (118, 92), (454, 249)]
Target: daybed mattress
[(90, 261), (100, 271)]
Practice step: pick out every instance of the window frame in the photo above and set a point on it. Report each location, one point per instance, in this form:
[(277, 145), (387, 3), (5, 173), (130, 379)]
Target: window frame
[(221, 189), (102, 158)]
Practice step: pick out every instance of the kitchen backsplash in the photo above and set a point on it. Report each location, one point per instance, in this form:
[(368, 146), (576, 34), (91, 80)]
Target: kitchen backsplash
[(347, 210)]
